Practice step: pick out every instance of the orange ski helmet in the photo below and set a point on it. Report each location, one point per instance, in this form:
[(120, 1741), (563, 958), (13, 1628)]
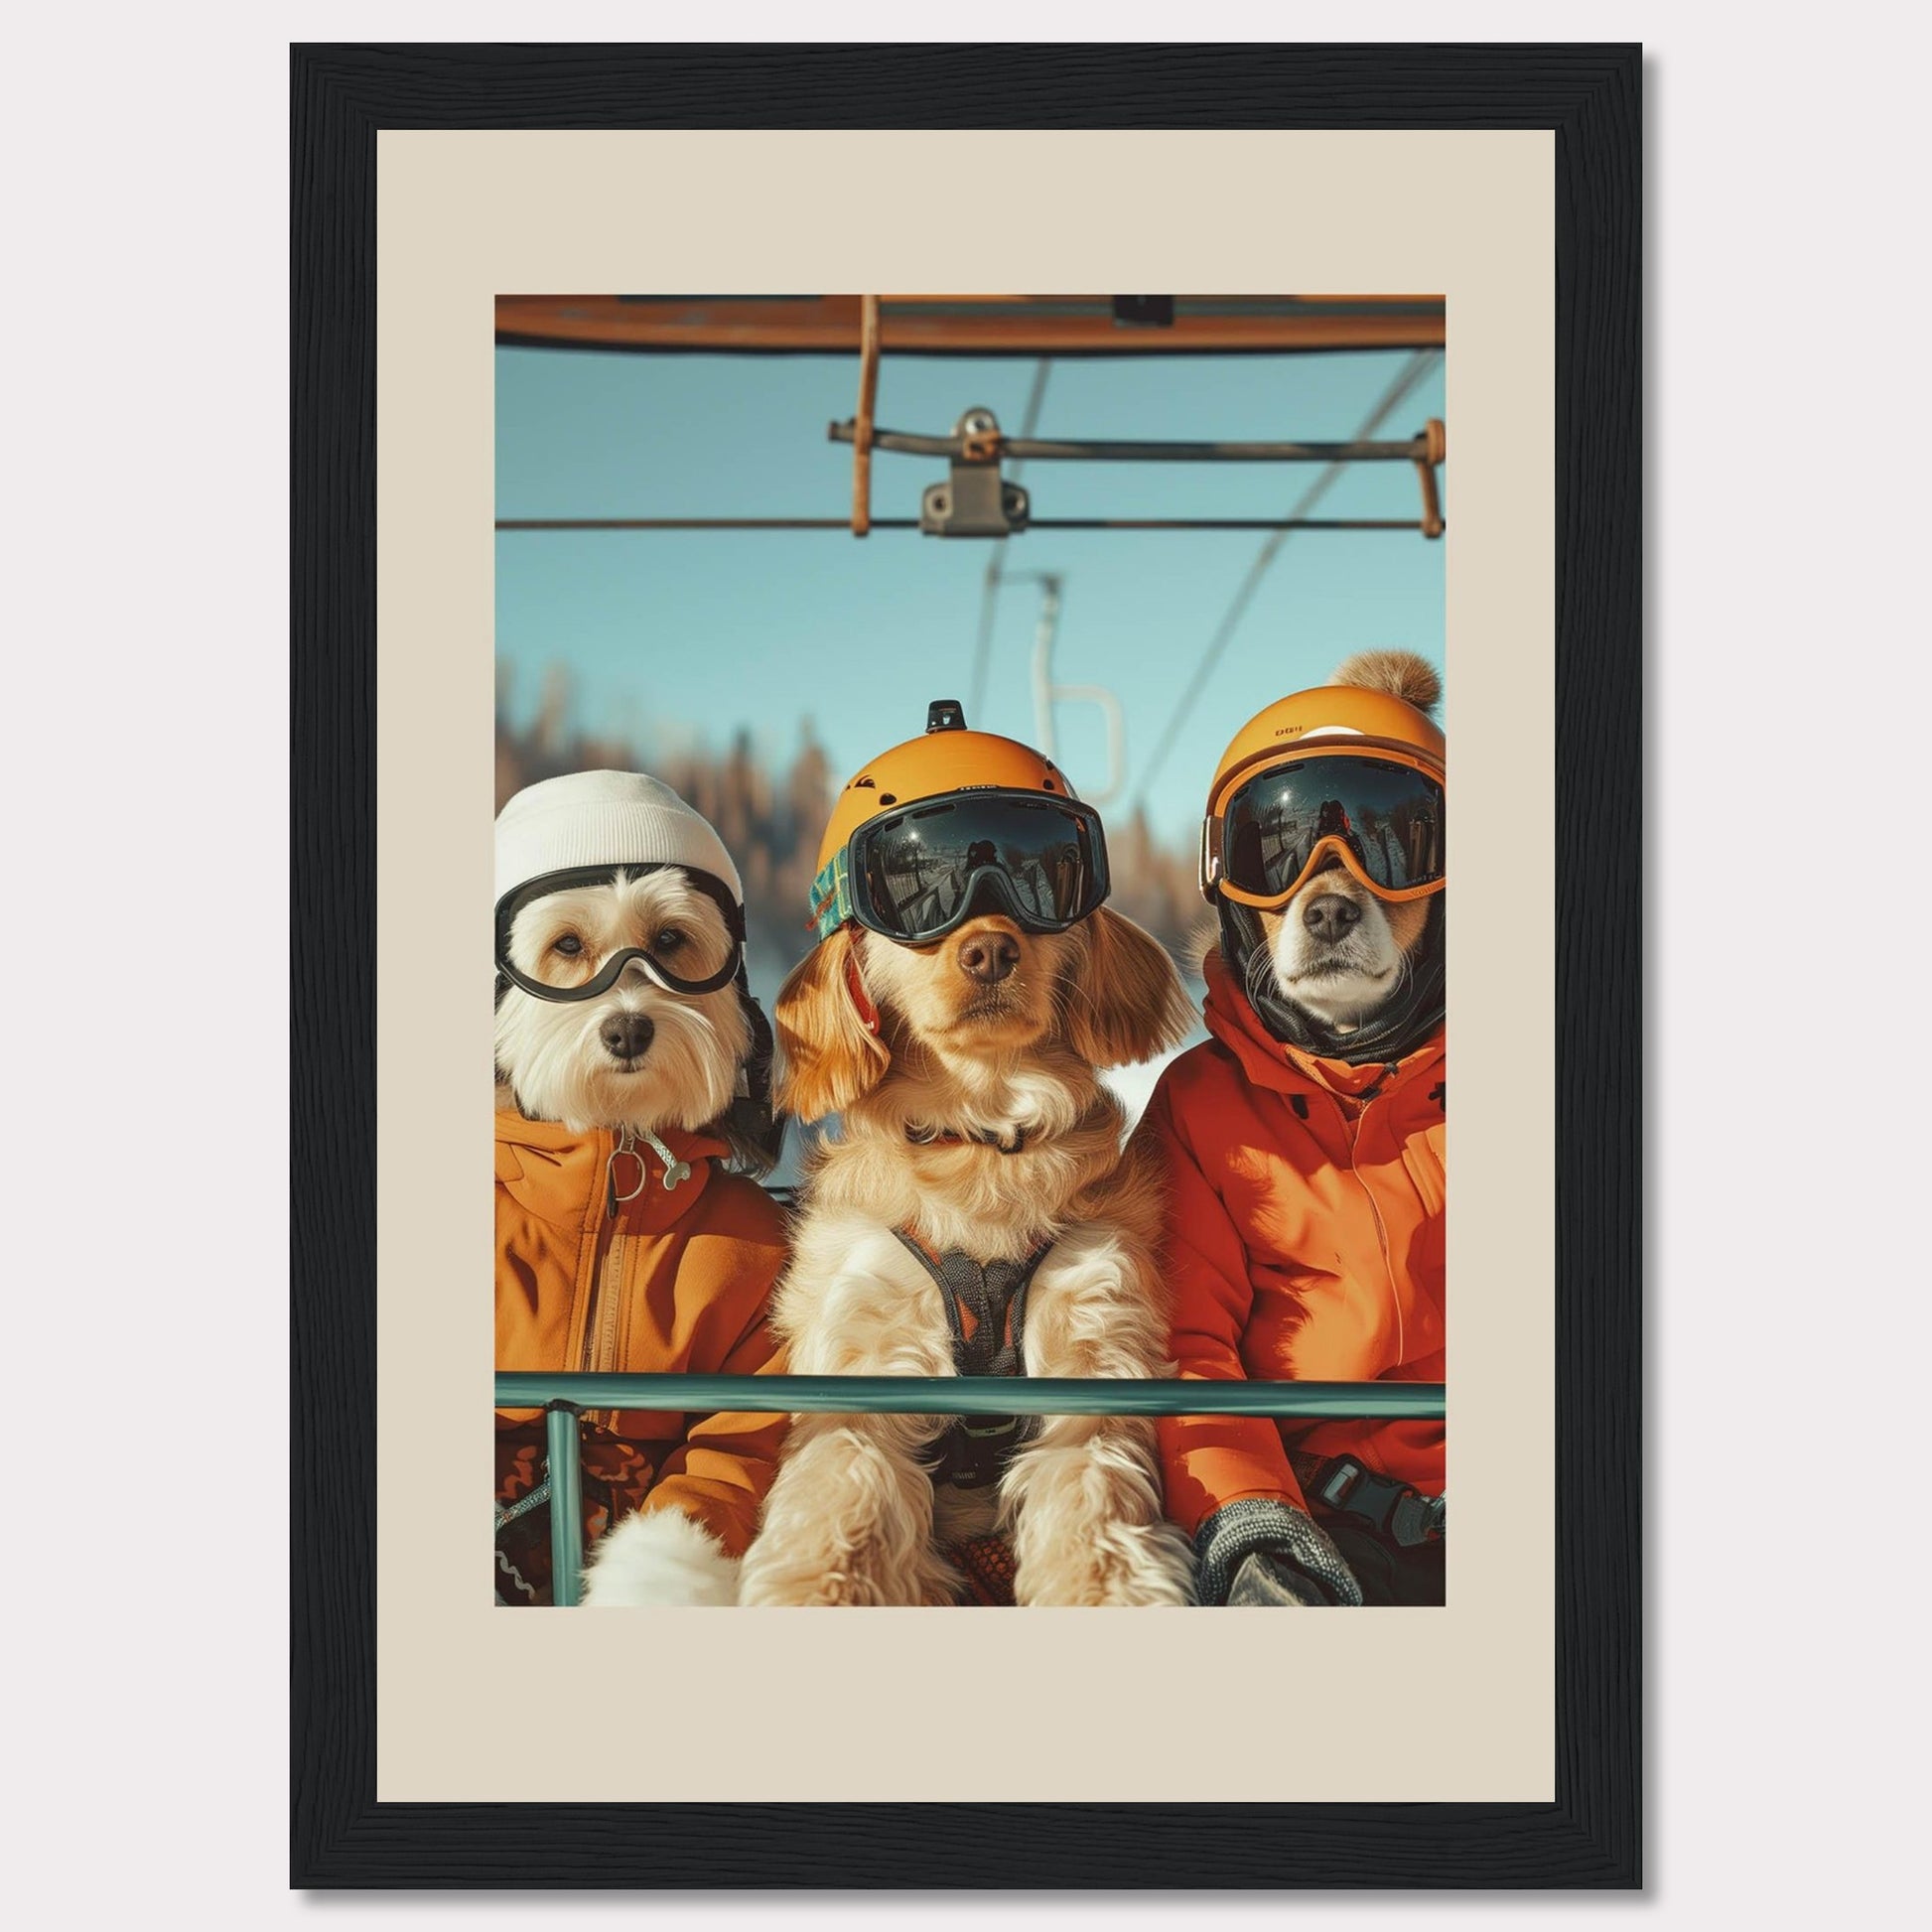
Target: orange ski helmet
[(920, 830)]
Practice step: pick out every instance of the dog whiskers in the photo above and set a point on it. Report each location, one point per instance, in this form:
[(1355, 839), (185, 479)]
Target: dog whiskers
[(1065, 991)]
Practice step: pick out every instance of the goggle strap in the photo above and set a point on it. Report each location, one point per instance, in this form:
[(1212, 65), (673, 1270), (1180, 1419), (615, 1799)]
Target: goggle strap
[(832, 896)]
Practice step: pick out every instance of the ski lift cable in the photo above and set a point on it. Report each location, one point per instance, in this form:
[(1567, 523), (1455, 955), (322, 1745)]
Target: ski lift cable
[(1419, 364), (996, 564)]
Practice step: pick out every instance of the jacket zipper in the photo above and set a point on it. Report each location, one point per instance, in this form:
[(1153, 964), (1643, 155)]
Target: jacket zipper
[(1353, 1132), (601, 1318)]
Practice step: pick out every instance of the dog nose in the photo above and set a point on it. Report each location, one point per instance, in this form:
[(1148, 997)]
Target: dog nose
[(1331, 917), (627, 1034), (989, 956)]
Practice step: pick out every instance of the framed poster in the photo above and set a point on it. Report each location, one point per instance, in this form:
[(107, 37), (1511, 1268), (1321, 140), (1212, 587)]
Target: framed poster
[(430, 184)]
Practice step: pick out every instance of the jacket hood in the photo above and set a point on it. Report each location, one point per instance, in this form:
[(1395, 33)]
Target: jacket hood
[(1282, 1065), (1403, 1023), (557, 1173)]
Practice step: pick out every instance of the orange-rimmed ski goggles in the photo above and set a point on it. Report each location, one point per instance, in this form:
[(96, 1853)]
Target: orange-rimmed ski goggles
[(1381, 816)]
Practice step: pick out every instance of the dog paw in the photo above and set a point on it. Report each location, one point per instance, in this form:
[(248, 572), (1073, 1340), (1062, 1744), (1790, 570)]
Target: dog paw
[(842, 1578), (659, 1556), (1124, 1565), (772, 1587)]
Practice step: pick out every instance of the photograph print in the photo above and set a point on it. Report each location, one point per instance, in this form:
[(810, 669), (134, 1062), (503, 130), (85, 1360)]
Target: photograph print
[(970, 931)]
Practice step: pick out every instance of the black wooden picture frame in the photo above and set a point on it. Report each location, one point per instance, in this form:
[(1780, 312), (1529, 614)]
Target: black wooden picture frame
[(1589, 1835)]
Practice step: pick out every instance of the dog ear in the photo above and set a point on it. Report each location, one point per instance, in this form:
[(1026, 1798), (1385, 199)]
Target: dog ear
[(1125, 1002), (828, 1056)]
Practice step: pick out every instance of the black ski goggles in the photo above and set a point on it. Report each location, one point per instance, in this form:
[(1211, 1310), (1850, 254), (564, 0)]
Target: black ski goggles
[(660, 971), (917, 874), (1380, 817)]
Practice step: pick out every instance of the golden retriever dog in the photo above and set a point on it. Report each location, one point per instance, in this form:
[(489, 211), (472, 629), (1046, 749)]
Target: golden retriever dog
[(972, 1125)]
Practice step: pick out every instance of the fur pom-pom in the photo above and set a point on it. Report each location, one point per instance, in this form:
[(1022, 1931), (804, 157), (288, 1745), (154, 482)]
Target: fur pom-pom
[(1401, 673), (661, 1556)]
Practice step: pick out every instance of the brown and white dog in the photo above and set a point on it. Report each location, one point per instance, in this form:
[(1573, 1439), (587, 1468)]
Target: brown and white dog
[(972, 1122), (1337, 951)]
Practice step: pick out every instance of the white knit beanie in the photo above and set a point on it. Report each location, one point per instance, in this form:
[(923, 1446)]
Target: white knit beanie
[(604, 818)]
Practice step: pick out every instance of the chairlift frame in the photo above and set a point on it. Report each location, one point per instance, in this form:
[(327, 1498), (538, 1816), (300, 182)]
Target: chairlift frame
[(976, 501)]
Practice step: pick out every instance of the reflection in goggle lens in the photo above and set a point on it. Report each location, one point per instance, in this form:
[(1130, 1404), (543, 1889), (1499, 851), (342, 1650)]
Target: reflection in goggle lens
[(919, 868), (1389, 817)]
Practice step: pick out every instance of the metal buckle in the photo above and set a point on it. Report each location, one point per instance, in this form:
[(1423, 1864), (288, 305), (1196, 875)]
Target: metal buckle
[(1341, 1483), (1390, 1507), (1005, 1425)]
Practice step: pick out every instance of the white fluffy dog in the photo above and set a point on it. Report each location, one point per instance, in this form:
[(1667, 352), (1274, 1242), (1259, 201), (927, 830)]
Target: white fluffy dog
[(639, 1056), (623, 1032)]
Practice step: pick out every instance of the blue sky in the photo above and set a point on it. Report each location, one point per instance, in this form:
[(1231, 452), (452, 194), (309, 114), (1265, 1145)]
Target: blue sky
[(673, 635)]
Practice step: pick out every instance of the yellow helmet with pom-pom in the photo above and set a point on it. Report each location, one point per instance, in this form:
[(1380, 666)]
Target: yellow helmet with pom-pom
[(1352, 771)]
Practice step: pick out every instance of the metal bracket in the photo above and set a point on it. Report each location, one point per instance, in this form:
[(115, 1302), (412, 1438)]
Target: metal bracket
[(975, 500)]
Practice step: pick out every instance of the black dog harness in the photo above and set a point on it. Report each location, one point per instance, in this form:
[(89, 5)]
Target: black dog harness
[(986, 1310)]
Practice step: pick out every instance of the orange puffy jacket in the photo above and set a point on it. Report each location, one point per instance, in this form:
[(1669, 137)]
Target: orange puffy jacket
[(1304, 1241), (676, 1281)]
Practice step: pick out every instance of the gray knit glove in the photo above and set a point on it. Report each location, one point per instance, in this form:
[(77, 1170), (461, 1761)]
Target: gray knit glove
[(1267, 1581), (1264, 1551)]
